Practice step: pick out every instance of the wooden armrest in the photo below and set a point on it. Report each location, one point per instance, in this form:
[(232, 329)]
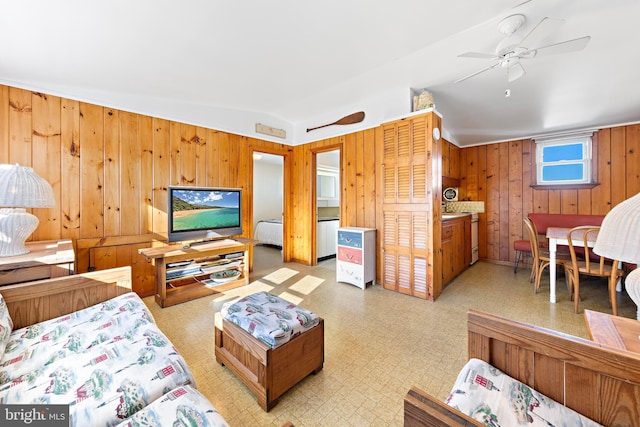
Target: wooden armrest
[(34, 302), (422, 409)]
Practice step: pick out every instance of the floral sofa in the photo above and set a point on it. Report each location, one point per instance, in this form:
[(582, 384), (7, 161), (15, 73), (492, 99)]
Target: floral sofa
[(109, 362)]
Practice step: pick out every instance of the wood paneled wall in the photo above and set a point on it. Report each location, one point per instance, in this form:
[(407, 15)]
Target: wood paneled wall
[(357, 182), (501, 175), (110, 170)]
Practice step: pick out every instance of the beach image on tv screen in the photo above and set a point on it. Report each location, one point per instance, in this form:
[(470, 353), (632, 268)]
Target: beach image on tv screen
[(195, 210)]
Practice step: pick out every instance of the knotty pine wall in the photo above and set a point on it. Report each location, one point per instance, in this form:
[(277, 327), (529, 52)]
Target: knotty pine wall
[(501, 174), (357, 181), (110, 170)]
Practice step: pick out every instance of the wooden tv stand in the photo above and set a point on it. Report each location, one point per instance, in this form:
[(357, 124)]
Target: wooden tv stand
[(183, 283)]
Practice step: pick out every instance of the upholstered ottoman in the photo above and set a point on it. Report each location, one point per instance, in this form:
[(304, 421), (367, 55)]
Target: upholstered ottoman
[(269, 343)]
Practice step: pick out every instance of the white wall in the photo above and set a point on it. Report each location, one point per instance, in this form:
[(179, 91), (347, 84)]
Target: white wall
[(268, 186)]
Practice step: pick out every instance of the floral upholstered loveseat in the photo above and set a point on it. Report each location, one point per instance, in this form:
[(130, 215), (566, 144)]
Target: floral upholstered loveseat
[(108, 361)]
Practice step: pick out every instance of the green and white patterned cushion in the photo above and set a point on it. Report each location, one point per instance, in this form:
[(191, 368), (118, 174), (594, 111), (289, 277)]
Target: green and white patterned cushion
[(488, 395), (182, 406), (6, 325), (269, 318)]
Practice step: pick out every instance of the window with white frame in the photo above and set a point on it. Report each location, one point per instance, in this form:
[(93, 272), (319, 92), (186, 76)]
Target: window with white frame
[(564, 160)]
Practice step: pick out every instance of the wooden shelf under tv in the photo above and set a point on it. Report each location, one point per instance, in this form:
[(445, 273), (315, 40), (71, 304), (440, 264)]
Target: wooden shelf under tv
[(189, 286)]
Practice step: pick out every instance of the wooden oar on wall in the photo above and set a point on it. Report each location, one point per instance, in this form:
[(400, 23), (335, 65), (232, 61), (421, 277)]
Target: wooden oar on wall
[(346, 120)]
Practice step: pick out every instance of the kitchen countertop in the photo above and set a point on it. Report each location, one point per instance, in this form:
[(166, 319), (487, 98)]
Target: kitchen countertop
[(328, 218), (450, 216)]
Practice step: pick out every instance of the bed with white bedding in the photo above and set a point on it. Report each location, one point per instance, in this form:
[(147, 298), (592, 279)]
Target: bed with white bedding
[(269, 232)]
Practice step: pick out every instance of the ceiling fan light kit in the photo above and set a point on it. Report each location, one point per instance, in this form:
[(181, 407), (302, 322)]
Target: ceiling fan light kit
[(511, 24)]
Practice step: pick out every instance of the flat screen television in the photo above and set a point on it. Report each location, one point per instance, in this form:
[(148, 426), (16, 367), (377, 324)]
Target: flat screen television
[(204, 213)]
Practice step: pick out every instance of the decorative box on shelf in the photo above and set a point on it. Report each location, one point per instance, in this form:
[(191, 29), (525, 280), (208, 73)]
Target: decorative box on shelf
[(356, 257)]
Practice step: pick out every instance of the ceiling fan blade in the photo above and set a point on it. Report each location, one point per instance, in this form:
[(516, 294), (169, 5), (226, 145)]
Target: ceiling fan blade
[(541, 31), (515, 72), (521, 4), (478, 55), (477, 72), (563, 47)]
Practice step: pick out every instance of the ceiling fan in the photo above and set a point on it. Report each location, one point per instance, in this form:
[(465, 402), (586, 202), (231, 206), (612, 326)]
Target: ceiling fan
[(512, 49)]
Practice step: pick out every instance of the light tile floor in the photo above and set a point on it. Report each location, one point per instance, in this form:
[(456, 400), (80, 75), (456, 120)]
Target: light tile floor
[(378, 343)]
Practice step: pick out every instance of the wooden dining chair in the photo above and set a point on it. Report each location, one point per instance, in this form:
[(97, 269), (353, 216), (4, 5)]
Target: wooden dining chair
[(541, 257), (591, 265), (522, 247)]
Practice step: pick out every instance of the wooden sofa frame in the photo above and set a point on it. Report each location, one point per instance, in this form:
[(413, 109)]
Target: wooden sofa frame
[(269, 372), (600, 382), (33, 302)]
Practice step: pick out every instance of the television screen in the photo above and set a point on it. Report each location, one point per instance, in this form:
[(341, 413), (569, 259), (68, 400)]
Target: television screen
[(204, 213)]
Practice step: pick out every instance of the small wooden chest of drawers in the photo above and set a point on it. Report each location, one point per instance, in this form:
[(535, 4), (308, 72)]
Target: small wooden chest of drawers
[(356, 256)]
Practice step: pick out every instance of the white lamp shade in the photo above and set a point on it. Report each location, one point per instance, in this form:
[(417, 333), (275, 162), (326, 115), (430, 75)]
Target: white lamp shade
[(21, 187), (619, 235)]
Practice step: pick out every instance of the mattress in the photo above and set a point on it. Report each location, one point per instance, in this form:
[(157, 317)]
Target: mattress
[(269, 318), (269, 232)]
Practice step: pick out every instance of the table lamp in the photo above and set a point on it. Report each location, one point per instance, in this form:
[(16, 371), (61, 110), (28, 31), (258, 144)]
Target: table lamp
[(619, 238), (20, 188)]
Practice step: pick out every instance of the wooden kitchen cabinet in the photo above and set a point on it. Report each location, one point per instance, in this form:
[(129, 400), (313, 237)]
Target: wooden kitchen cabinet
[(326, 238), (456, 247)]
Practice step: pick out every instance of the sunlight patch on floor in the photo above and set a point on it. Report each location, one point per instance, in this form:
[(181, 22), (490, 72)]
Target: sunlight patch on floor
[(243, 291), (307, 284), (280, 276), (294, 299)]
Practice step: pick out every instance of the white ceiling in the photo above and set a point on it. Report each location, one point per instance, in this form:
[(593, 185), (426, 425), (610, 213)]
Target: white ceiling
[(292, 65)]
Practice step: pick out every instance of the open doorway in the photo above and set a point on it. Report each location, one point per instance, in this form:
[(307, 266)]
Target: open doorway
[(327, 203), (268, 204)]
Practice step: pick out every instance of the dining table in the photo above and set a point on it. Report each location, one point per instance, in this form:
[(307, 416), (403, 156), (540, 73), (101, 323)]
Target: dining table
[(560, 236)]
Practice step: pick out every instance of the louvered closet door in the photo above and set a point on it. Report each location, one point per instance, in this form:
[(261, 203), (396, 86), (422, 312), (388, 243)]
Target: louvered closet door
[(405, 252), (404, 162)]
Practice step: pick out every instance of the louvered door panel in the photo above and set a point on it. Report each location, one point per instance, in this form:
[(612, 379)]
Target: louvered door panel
[(419, 184), (403, 146), (404, 230), (389, 233), (420, 277), (389, 163), (404, 274), (389, 185), (419, 161), (389, 271), (419, 140), (389, 250), (419, 230), (389, 144), (403, 184)]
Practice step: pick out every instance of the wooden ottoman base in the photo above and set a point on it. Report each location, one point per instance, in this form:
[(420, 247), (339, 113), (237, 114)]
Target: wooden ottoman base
[(269, 372)]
